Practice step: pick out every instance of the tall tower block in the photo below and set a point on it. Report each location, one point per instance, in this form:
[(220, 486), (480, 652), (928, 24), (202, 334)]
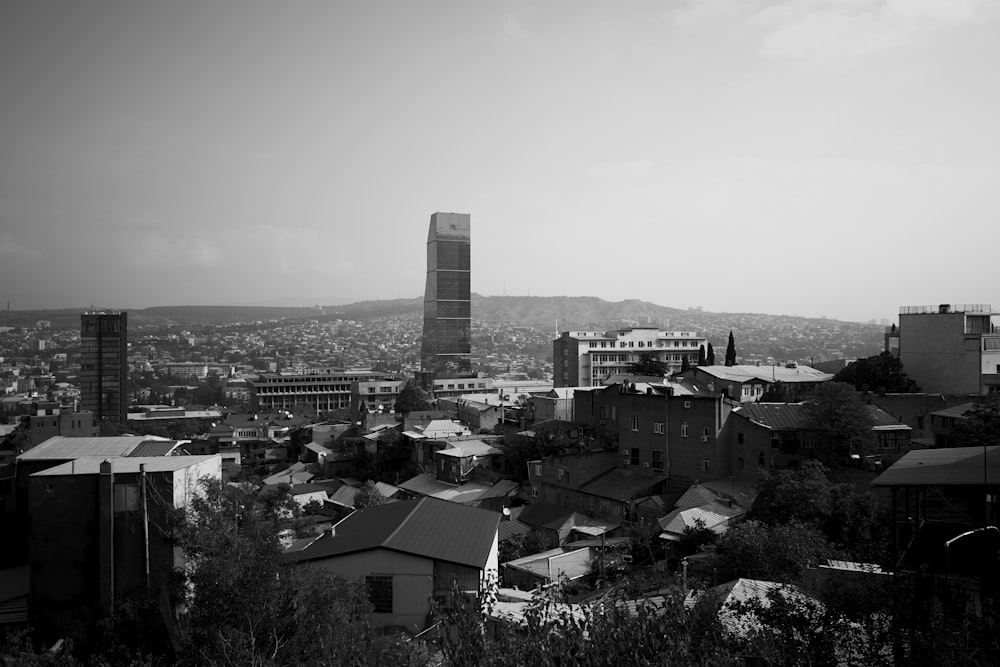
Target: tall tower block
[(446, 350), (104, 364)]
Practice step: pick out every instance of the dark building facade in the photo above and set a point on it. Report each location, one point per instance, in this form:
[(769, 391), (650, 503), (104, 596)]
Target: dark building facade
[(104, 365), (446, 349)]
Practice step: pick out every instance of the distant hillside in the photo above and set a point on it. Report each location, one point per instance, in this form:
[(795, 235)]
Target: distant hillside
[(67, 318)]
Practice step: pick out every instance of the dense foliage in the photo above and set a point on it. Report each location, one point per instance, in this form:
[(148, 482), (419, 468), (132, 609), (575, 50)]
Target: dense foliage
[(880, 373)]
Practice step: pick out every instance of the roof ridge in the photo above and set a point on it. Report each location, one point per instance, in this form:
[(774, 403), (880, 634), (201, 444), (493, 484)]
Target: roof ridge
[(402, 523)]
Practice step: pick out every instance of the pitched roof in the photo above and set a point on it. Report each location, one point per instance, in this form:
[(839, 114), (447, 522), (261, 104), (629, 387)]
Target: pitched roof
[(91, 465), (545, 515), (427, 484), (65, 447), (464, 448), (955, 466), (424, 527), (622, 484), (795, 416), (747, 373), (155, 448)]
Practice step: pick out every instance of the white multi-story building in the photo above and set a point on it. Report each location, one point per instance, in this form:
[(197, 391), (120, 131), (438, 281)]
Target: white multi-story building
[(588, 358)]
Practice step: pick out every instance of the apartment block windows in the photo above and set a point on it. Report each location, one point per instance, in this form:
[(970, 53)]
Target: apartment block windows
[(634, 423), (380, 592), (706, 465), (658, 428), (684, 429)]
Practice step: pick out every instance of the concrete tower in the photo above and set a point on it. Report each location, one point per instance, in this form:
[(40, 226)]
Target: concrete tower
[(104, 365), (447, 343)]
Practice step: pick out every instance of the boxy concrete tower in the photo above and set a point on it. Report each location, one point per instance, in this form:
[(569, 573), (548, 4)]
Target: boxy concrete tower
[(104, 365), (446, 350)]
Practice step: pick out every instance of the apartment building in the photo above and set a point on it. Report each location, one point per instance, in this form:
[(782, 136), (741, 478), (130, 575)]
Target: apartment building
[(948, 348), (589, 358)]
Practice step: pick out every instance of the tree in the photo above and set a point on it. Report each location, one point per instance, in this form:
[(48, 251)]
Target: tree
[(841, 420), (710, 356), (248, 605), (731, 350), (368, 496), (979, 426), (685, 364), (881, 373), (756, 550), (850, 519), (701, 355), (412, 399), (649, 365)]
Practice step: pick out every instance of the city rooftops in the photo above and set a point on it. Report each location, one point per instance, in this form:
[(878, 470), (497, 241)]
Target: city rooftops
[(746, 372), (949, 309)]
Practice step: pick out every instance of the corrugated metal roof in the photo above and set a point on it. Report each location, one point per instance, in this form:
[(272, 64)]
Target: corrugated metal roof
[(795, 416), (424, 527), (91, 465), (622, 484), (155, 448), (65, 447), (545, 515), (464, 448), (746, 373), (426, 484), (956, 466)]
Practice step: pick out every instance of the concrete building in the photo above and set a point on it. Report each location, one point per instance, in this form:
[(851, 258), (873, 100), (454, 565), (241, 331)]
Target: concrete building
[(446, 350), (325, 390), (49, 419), (104, 364), (95, 532), (589, 358), (948, 349)]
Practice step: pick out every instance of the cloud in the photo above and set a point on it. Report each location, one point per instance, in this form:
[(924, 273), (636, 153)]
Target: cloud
[(10, 247), (834, 34)]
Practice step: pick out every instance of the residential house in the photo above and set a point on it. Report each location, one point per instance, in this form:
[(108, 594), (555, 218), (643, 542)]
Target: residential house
[(408, 554), (747, 384)]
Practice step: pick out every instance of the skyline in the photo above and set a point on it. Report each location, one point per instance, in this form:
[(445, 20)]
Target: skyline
[(814, 158)]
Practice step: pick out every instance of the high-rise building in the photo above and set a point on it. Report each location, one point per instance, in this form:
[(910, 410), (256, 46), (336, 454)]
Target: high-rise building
[(447, 343), (104, 364)]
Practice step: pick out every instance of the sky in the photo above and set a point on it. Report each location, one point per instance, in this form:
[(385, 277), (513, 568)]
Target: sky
[(835, 158)]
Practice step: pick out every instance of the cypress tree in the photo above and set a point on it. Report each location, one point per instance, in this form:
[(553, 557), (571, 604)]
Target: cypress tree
[(710, 356), (701, 355), (731, 350)]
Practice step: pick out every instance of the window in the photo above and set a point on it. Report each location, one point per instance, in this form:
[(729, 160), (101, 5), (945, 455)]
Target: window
[(126, 497), (739, 463), (920, 422), (635, 456), (561, 475), (658, 427), (687, 404), (706, 465), (633, 423), (704, 433), (538, 470), (684, 429), (380, 592), (739, 438), (658, 460), (534, 492)]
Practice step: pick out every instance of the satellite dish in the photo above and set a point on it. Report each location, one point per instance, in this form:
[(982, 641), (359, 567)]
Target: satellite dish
[(506, 511)]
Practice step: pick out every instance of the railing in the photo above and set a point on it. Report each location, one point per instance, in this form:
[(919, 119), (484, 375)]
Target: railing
[(946, 308)]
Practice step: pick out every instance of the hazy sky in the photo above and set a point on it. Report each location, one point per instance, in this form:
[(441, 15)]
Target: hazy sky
[(812, 157)]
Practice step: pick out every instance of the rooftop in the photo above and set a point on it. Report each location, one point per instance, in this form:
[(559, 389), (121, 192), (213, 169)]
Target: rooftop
[(91, 465), (62, 447), (954, 466), (425, 527)]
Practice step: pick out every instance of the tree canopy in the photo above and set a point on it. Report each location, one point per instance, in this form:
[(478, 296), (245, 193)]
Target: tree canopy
[(980, 426), (841, 420), (710, 356), (731, 350), (412, 399), (880, 373), (648, 364)]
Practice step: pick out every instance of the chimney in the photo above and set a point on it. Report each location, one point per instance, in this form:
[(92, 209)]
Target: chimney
[(106, 536)]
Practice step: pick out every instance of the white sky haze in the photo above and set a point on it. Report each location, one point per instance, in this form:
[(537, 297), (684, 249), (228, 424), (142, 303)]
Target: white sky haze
[(811, 157)]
